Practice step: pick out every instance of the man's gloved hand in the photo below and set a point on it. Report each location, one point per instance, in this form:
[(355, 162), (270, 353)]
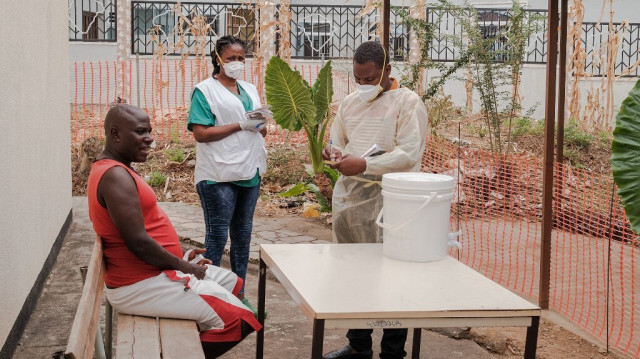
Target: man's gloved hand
[(254, 125)]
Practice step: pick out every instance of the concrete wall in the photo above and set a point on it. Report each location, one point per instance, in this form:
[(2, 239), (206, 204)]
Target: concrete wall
[(93, 51), (34, 137)]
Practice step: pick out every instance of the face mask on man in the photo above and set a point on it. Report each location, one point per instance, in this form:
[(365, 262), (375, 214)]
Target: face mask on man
[(232, 69), (368, 92)]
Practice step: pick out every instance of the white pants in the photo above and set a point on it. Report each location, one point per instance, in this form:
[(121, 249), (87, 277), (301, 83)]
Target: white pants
[(211, 302)]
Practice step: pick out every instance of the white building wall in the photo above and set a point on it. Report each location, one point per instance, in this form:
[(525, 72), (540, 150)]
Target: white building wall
[(34, 137), (93, 51)]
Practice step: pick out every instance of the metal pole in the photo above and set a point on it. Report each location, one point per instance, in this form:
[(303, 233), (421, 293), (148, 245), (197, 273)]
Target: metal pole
[(108, 329), (262, 283), (562, 80), (547, 172), (99, 344), (386, 14)]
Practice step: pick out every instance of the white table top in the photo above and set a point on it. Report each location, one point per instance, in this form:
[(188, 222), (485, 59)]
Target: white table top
[(333, 281)]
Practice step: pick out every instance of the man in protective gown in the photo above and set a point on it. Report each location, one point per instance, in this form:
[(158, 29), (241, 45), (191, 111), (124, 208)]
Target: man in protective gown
[(394, 118)]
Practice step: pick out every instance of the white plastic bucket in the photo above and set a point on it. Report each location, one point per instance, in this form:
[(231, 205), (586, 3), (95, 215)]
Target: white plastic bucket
[(416, 210)]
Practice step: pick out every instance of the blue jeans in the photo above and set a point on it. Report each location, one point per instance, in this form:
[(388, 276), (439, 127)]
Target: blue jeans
[(228, 213)]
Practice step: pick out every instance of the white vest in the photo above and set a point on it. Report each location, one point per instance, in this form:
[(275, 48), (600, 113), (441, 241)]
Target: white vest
[(237, 156)]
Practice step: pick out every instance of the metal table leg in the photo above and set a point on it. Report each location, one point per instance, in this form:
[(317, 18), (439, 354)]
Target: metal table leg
[(262, 282), (415, 350), (318, 337), (532, 339)]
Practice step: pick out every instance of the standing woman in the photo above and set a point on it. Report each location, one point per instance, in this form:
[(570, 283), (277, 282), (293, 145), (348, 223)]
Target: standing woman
[(230, 155)]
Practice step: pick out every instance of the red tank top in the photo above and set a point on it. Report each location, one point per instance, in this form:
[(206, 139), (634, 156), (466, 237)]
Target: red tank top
[(124, 267)]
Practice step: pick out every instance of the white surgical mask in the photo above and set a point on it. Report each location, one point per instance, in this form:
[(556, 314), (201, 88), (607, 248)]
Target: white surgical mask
[(368, 93), (234, 69)]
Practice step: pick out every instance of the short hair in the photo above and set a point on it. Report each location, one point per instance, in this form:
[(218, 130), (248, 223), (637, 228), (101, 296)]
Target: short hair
[(221, 44), (371, 51)]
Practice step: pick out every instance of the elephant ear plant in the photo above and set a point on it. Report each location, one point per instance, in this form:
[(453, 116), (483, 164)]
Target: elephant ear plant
[(625, 158), (296, 106)]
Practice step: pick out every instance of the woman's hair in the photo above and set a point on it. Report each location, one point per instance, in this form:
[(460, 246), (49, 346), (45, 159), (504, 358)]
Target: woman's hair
[(221, 44)]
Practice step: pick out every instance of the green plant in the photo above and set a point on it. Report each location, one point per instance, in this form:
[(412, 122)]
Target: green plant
[(522, 126), (495, 64), (175, 154), (441, 109), (156, 179), (573, 156), (625, 158), (605, 137), (482, 132), (284, 166), (425, 35), (174, 132), (575, 136), (296, 105)]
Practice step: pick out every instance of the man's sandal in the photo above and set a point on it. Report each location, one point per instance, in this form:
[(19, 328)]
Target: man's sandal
[(245, 301)]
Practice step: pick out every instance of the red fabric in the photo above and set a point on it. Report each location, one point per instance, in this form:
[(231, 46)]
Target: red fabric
[(238, 286), (124, 267), (232, 317)]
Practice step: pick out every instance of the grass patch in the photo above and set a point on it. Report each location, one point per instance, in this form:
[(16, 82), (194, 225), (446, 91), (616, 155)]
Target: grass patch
[(575, 136), (175, 154), (156, 179), (285, 166)]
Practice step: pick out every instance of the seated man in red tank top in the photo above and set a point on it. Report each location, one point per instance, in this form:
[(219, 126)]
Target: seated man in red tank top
[(147, 273)]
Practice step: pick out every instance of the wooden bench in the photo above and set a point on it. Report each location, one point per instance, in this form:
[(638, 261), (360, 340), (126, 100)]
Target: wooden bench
[(137, 336)]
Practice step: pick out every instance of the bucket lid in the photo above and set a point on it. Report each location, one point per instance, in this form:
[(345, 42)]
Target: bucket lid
[(418, 181)]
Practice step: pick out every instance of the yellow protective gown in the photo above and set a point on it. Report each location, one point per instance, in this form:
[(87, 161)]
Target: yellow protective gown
[(397, 122)]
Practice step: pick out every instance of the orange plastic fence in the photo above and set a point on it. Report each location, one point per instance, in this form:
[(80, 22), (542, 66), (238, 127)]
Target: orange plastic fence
[(163, 89), (595, 255)]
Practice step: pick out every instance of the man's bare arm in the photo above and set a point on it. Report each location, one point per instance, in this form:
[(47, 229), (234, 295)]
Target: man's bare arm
[(118, 191)]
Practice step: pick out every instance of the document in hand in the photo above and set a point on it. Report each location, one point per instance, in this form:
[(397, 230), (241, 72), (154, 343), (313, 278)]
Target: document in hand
[(260, 113), (372, 151)]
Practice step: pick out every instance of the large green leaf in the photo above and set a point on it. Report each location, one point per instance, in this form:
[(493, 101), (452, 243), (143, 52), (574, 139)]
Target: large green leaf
[(288, 94), (322, 92), (625, 158), (324, 204), (296, 190)]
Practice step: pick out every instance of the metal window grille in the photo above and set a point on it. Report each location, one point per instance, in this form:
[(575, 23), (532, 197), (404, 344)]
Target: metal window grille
[(491, 22), (334, 32), (162, 17), (92, 21)]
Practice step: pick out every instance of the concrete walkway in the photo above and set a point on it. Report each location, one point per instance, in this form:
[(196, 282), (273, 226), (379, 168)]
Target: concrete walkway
[(287, 331)]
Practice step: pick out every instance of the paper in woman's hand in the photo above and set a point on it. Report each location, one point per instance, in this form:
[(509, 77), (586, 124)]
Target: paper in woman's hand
[(260, 113)]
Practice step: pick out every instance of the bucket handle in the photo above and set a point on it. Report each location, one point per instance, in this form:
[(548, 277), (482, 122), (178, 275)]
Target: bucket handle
[(432, 196)]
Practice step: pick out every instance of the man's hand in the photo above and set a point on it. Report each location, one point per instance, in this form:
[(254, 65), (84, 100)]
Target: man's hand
[(198, 270), (350, 165), (196, 252), (331, 155)]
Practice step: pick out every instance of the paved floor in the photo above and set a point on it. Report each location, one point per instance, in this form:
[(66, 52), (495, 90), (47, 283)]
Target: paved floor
[(287, 331)]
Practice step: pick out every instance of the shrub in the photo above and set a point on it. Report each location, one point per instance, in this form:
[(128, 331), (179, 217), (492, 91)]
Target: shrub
[(156, 179), (175, 154), (574, 136), (284, 165), (522, 126)]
